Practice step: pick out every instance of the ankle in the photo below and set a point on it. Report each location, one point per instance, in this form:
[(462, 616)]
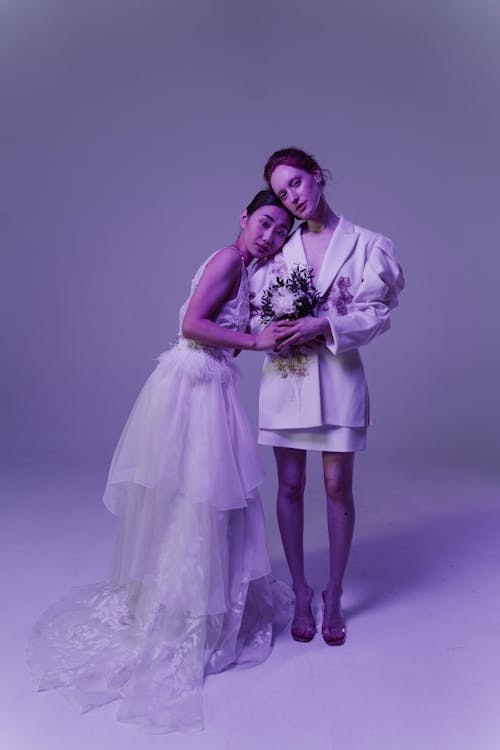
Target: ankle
[(303, 591), (333, 591)]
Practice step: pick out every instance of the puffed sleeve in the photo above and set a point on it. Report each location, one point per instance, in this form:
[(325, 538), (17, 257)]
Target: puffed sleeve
[(366, 315)]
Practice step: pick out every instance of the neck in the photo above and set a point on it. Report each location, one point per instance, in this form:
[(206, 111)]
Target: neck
[(243, 251), (323, 218)]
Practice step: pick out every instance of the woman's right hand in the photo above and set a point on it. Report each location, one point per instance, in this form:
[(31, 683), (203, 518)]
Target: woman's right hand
[(268, 338)]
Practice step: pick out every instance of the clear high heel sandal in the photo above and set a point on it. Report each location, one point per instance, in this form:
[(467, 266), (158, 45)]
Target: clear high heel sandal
[(303, 624), (334, 634)]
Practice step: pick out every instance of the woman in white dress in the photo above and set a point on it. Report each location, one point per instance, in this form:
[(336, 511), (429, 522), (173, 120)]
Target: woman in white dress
[(318, 399), (190, 591)]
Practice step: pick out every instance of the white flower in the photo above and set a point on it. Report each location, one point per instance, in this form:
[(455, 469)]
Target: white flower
[(291, 296), (283, 302)]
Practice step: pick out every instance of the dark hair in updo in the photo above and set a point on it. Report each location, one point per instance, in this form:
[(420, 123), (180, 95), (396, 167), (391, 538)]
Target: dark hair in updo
[(267, 198), (294, 157)]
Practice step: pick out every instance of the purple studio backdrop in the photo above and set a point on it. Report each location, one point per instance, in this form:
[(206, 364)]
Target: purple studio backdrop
[(134, 132)]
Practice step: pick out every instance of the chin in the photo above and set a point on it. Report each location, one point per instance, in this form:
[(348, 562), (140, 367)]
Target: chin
[(305, 214)]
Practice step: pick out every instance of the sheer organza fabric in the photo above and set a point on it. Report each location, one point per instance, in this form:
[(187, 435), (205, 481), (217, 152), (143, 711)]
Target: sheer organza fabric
[(190, 591)]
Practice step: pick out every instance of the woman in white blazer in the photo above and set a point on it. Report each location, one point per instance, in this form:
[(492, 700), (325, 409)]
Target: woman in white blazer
[(313, 393)]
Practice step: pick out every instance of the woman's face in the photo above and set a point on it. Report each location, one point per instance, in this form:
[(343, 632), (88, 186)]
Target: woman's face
[(298, 190), (264, 232)]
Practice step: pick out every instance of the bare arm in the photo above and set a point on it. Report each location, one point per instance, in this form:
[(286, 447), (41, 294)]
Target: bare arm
[(219, 279)]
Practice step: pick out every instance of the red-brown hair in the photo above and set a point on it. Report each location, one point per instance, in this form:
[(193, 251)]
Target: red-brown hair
[(293, 157)]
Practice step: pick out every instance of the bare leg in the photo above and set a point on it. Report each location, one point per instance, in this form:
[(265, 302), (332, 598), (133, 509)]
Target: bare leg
[(338, 473), (291, 465)]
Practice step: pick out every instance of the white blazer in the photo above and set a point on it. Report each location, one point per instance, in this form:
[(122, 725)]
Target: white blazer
[(360, 281)]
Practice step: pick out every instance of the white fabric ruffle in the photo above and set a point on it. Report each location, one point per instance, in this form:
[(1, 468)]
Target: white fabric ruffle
[(190, 591)]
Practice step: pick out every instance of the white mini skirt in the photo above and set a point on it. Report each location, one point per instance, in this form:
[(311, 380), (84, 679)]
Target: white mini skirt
[(323, 438)]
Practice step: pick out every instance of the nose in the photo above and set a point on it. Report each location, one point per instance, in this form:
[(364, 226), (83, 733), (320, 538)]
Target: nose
[(293, 195), (267, 236)]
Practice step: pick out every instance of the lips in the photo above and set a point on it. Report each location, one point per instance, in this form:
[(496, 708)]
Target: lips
[(301, 206)]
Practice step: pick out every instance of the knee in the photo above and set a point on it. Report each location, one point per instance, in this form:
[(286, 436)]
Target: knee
[(291, 488), (339, 493)]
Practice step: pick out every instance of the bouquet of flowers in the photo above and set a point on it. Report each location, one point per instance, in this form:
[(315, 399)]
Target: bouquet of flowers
[(289, 297)]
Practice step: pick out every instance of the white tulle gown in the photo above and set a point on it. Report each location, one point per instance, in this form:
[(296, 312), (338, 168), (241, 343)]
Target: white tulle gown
[(190, 592)]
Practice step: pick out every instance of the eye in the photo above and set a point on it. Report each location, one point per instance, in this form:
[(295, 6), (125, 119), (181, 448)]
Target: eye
[(282, 195), (296, 182), (265, 223), (281, 233)]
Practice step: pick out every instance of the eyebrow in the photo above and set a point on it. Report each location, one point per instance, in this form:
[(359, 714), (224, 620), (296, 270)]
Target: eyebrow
[(273, 221)]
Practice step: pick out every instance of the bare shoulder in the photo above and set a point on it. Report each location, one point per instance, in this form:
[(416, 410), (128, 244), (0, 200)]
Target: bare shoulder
[(225, 262)]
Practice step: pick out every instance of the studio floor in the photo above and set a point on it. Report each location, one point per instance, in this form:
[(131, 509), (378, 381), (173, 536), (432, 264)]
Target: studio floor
[(421, 666)]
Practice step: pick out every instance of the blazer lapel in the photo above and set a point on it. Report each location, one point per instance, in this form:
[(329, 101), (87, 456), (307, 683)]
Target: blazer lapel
[(293, 251), (341, 245)]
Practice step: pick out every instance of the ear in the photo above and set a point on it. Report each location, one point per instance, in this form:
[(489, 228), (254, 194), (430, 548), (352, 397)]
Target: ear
[(243, 218), (318, 176)]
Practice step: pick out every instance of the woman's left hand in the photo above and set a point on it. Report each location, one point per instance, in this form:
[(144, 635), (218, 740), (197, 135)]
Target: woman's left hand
[(301, 331)]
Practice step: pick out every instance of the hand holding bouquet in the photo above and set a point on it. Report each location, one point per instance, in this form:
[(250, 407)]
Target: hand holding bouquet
[(288, 298)]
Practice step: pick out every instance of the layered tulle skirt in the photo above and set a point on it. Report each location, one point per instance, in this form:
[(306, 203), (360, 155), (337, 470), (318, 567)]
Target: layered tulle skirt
[(190, 591)]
